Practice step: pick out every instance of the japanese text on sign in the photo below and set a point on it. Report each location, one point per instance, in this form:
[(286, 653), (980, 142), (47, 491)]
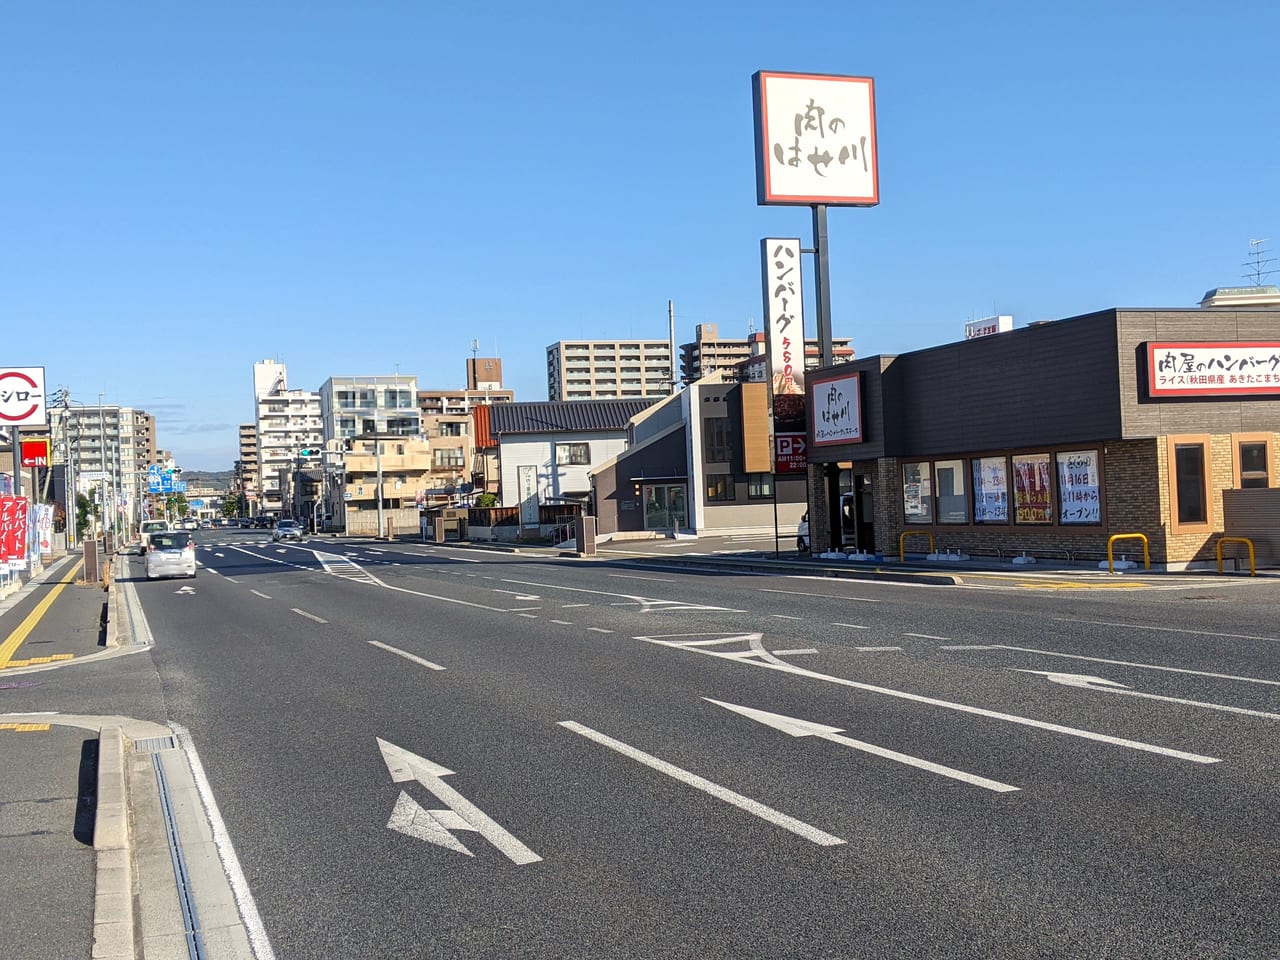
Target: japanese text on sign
[(1212, 369), (784, 314), (837, 410), (1080, 500)]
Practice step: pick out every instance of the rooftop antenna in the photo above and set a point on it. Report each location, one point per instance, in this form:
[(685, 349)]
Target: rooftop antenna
[(1257, 262), (751, 326)]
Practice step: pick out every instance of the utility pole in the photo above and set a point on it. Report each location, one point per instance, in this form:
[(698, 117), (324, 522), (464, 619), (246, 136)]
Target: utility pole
[(377, 446)]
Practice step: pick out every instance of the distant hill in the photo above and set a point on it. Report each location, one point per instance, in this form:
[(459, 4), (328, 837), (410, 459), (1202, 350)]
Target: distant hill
[(217, 479)]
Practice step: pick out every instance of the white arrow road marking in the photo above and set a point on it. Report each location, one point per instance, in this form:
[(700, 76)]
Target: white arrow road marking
[(754, 807), (185, 591), (408, 656), (1110, 686), (1116, 663), (805, 728), (758, 656), (461, 814)]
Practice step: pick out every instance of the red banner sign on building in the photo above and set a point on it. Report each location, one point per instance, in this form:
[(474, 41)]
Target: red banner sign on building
[(13, 532)]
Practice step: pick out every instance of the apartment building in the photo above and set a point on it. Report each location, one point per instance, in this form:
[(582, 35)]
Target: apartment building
[(247, 465), (708, 353), (365, 406), (608, 369), (288, 423), (108, 449)]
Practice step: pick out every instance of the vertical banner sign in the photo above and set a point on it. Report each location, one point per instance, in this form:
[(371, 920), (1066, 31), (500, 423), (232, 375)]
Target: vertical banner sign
[(784, 343), (13, 533), (528, 480), (815, 139), (44, 528)]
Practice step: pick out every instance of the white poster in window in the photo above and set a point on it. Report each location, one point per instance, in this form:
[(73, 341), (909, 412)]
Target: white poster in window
[(1079, 496), (990, 490)]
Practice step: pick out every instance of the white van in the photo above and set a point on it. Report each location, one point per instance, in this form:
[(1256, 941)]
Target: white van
[(145, 529)]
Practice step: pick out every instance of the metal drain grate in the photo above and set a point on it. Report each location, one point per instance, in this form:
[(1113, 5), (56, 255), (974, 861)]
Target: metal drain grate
[(154, 744)]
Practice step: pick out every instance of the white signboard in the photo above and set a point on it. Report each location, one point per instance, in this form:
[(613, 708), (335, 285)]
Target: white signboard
[(1079, 500), (783, 313), (987, 326), (815, 139), (836, 408), (22, 401), (1202, 369)]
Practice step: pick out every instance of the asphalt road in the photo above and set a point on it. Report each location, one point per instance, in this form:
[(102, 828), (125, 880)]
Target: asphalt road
[(619, 764)]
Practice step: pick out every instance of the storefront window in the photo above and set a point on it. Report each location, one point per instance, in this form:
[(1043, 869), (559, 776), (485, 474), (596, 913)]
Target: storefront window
[(917, 493), (1189, 475), (664, 506), (1253, 464), (991, 490), (1079, 495), (759, 486), (953, 498), (719, 487), (1032, 492)]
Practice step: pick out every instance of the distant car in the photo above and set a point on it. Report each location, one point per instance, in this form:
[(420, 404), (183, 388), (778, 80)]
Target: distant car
[(171, 553), (189, 523), (145, 529), (802, 534), (206, 524), (288, 530)]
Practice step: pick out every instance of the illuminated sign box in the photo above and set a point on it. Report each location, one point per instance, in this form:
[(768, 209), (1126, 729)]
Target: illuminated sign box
[(1219, 369)]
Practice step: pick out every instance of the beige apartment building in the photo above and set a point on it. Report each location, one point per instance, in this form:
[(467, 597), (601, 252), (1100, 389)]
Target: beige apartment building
[(608, 369)]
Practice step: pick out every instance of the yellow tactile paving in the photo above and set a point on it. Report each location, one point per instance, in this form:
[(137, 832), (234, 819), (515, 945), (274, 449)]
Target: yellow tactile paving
[(14, 640), (53, 658), (26, 727)]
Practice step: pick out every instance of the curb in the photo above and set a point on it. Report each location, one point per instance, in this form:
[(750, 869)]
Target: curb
[(810, 569), (113, 920)]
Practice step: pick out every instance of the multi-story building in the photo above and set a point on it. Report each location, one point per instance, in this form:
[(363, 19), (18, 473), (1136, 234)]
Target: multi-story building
[(289, 433), (607, 369), (367, 406), (108, 449), (708, 353), (247, 465), (484, 385)]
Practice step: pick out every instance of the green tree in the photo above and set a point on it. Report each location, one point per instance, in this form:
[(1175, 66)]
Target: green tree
[(230, 505), (84, 507), (177, 505), (487, 500)]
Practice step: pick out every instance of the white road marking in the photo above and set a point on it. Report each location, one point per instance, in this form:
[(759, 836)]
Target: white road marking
[(564, 623), (758, 656), (795, 727), (254, 927), (824, 596), (519, 595), (408, 656), (1110, 686), (519, 609), (876, 649), (260, 594), (531, 616), (1116, 663), (784, 616), (220, 555), (1143, 626), (231, 579), (647, 604), (624, 576), (599, 630), (572, 606), (309, 616), (851, 626), (435, 825), (925, 636), (753, 807), (795, 653)]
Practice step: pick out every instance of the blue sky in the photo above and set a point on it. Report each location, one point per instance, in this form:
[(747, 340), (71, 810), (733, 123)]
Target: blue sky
[(354, 188)]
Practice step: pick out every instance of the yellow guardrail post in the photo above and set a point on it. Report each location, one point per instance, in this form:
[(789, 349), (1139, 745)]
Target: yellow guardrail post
[(1146, 550), (902, 543), (1253, 570)]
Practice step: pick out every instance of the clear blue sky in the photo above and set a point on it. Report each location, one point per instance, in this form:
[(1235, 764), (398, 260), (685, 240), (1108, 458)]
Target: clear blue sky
[(352, 187)]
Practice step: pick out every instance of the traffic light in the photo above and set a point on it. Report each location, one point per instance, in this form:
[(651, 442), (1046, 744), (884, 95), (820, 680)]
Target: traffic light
[(309, 452)]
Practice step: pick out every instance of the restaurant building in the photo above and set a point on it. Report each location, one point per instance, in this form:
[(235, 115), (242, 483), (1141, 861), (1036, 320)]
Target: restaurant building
[(1051, 438)]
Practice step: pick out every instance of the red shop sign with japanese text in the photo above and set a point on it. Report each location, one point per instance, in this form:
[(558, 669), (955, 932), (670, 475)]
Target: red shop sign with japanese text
[(1202, 369)]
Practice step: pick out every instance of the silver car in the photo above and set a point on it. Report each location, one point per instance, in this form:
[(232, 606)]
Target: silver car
[(171, 553), (288, 530)]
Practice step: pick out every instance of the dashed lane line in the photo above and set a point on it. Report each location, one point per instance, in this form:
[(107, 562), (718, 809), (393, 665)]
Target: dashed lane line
[(402, 653), (260, 594), (309, 616)]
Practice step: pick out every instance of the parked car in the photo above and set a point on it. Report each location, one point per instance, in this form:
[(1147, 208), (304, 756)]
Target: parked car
[(171, 553), (145, 529), (802, 533), (288, 530)]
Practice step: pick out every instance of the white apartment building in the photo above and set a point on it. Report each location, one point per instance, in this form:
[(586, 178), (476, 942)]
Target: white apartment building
[(363, 406), (288, 423), (108, 449), (607, 369)]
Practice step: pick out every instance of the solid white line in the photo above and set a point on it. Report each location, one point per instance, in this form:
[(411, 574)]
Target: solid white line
[(1191, 703), (571, 606), (260, 594), (230, 579), (875, 649), (564, 623), (518, 609), (824, 596), (258, 940), (918, 763), (851, 626), (754, 807), (925, 636), (408, 656), (531, 616), (623, 576), (761, 659), (784, 616), (1118, 663), (309, 616), (794, 653), (1141, 626), (599, 630)]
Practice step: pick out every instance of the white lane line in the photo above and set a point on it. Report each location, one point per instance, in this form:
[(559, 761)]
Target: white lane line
[(851, 626), (531, 616), (408, 656), (925, 636), (1142, 626), (624, 576), (309, 616), (519, 609), (572, 606), (1115, 663), (254, 927), (219, 554), (564, 623), (794, 653), (599, 630), (784, 616), (260, 594), (230, 579), (1080, 681), (876, 649), (648, 604), (824, 596), (758, 656), (753, 807)]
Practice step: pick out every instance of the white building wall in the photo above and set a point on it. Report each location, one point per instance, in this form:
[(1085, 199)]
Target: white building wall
[(553, 481)]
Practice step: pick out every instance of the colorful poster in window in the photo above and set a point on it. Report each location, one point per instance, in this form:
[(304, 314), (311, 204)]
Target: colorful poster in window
[(1032, 493), (1079, 495), (991, 490)]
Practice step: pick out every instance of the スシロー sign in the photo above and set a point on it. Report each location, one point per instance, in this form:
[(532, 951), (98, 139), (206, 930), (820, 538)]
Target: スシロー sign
[(1212, 369), (22, 396)]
